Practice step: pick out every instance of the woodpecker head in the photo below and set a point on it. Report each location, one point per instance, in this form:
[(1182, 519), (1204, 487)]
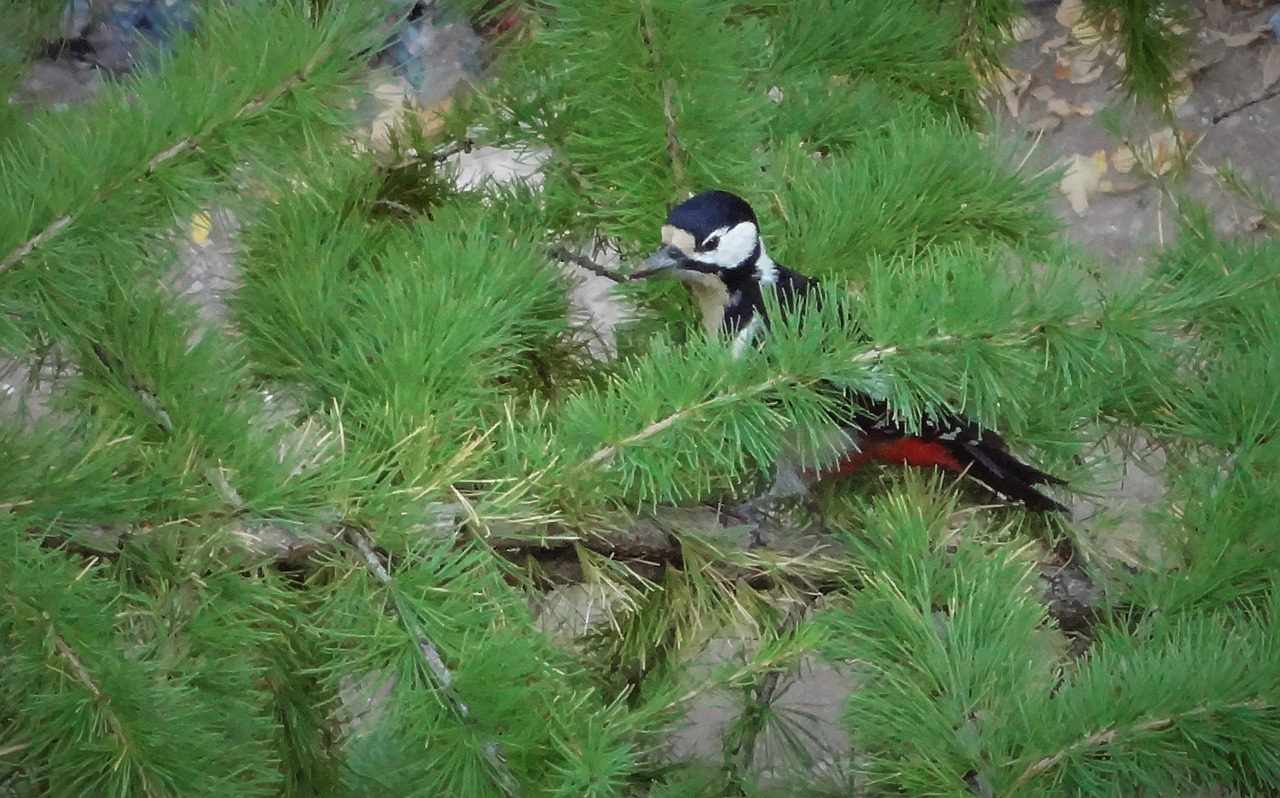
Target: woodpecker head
[(710, 235)]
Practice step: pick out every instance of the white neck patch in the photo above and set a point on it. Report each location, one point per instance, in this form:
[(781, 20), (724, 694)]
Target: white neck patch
[(766, 269)]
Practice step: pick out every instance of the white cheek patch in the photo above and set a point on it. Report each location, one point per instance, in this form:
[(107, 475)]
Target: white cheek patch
[(736, 245)]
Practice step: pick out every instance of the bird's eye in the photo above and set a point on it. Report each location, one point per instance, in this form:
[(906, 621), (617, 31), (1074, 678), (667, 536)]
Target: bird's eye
[(711, 243)]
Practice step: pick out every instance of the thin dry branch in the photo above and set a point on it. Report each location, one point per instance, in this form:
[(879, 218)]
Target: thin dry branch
[(583, 262), (646, 544)]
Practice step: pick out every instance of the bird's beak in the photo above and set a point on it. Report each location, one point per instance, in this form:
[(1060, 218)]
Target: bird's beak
[(666, 258)]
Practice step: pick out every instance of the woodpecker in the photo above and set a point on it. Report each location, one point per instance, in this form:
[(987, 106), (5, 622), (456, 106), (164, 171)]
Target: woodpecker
[(712, 243)]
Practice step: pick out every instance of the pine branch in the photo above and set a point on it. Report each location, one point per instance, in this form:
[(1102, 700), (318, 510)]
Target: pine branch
[(39, 238), (753, 720), (674, 148), (603, 456), (212, 474), (81, 674), (1107, 736), (77, 667), (431, 656), (189, 143)]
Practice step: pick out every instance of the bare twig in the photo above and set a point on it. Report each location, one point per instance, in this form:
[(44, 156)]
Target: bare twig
[(583, 262), (1237, 109), (466, 145)]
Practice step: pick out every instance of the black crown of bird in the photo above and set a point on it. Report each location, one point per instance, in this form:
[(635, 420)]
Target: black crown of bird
[(712, 243)]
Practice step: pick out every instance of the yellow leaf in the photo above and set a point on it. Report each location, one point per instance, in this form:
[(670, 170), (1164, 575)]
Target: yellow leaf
[(201, 224)]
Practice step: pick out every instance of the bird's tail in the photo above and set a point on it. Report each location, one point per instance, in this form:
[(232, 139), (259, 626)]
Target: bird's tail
[(983, 458)]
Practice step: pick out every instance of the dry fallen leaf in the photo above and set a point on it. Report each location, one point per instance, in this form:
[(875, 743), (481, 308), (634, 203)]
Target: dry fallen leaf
[(1158, 155), (1239, 39), (1056, 42), (1042, 93), (1063, 108), (1079, 64), (1045, 124), (1254, 222), (1271, 67), (1026, 28), (1090, 76), (1069, 13), (1163, 149), (1012, 84), (1120, 184), (1122, 159), (1082, 178)]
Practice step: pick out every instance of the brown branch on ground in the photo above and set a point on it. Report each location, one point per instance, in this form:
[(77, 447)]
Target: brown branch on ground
[(1247, 104), (647, 544)]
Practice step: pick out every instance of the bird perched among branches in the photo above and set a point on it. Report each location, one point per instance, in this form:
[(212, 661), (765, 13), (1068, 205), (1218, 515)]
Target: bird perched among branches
[(712, 243)]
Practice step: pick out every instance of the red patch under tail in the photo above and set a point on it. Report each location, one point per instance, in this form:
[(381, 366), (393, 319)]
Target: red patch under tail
[(904, 450), (983, 461)]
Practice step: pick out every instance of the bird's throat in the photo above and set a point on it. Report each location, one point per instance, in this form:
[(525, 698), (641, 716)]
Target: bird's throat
[(712, 296)]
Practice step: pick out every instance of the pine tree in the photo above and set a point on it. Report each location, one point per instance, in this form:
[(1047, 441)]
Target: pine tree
[(303, 550)]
